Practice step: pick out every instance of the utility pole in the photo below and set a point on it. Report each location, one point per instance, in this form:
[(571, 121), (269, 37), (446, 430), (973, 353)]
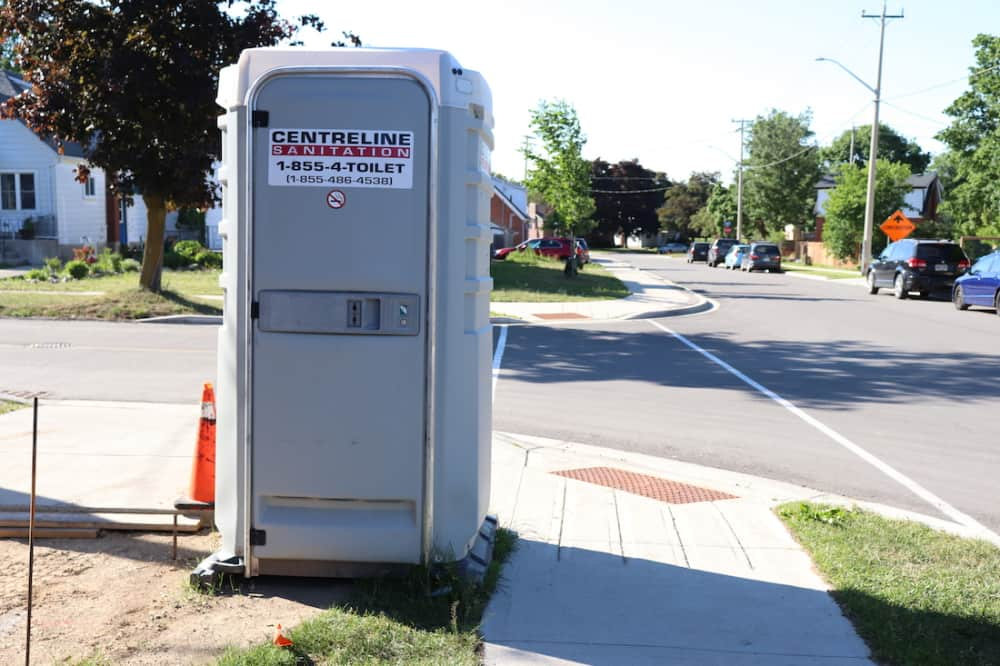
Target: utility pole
[(850, 155), (739, 183), (866, 243), (526, 146)]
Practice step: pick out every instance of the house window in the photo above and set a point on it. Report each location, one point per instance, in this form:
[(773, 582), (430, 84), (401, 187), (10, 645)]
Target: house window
[(27, 191), (88, 187), (17, 191)]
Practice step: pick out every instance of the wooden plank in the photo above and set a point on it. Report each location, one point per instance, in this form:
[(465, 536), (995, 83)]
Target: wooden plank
[(47, 533), (182, 528)]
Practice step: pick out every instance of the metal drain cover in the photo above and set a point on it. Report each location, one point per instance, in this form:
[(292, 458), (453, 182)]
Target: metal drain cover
[(671, 492)]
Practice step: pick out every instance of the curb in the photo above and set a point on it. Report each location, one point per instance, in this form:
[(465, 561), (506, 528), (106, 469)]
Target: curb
[(204, 320)]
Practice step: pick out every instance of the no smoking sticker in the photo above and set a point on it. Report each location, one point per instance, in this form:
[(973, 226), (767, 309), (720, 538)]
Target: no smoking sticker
[(336, 199)]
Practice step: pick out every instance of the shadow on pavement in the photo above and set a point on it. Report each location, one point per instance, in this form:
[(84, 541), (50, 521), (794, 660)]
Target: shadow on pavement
[(831, 374), (593, 607)]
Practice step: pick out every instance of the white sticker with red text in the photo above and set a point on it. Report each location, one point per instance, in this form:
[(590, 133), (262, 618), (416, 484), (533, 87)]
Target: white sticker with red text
[(341, 158)]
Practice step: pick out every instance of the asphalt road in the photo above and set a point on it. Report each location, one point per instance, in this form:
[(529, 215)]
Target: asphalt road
[(914, 383), (86, 360)]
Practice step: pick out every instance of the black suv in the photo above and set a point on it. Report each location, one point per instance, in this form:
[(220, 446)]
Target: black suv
[(717, 252), (914, 264)]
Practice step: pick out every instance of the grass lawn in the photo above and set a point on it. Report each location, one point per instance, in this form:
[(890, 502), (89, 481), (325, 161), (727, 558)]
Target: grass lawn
[(10, 406), (529, 278), (121, 298), (392, 621), (829, 272), (917, 596)]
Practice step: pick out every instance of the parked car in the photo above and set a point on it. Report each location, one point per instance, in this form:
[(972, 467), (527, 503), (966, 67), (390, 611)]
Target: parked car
[(761, 256), (718, 249), (915, 264), (520, 247), (697, 252), (980, 285), (583, 251), (671, 248), (734, 257)]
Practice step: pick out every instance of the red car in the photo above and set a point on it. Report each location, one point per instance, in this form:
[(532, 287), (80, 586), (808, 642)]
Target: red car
[(549, 247)]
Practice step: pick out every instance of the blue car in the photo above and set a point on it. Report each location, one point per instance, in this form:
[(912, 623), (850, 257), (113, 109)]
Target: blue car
[(980, 285), (735, 256)]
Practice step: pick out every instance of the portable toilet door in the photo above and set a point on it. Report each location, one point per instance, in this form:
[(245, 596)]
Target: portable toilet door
[(340, 258)]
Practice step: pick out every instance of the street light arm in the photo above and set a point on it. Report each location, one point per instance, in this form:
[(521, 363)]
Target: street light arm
[(856, 77)]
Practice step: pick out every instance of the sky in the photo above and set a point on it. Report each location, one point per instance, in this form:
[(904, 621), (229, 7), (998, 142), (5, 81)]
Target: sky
[(662, 81)]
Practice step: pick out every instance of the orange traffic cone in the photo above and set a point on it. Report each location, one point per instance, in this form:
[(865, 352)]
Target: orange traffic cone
[(203, 471), (280, 639)]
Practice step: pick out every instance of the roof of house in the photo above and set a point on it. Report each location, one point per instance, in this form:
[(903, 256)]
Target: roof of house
[(916, 181), (10, 85)]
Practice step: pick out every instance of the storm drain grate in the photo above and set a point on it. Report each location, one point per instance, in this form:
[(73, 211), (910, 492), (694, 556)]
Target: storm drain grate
[(561, 315), (653, 487)]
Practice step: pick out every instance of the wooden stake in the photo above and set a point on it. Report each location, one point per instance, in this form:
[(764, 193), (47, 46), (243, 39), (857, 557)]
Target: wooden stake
[(31, 529)]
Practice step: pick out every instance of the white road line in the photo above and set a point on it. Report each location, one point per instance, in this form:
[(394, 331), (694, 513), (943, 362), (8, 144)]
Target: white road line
[(498, 358), (882, 466)]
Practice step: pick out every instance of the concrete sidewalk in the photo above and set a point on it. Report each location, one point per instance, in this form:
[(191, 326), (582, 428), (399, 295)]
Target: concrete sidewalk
[(650, 296), (679, 564)]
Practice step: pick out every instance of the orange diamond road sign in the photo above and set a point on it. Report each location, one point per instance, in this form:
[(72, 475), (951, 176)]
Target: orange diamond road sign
[(897, 226)]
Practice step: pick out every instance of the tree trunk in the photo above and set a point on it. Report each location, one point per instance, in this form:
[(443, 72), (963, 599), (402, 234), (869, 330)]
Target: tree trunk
[(152, 255)]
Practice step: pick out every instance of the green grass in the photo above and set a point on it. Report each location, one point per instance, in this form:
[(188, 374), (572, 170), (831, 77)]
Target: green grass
[(187, 282), (525, 277), (10, 406), (121, 299), (829, 273), (917, 596), (393, 621)]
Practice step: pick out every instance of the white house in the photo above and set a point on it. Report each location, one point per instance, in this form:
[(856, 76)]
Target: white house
[(39, 194)]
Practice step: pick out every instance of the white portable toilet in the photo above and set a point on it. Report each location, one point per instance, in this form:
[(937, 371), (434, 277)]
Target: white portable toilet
[(354, 410)]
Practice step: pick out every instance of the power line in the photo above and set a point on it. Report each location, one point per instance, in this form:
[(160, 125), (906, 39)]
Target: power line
[(936, 86)]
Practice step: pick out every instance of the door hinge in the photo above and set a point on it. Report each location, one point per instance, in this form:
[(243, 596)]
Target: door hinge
[(255, 310), (260, 118), (258, 537)]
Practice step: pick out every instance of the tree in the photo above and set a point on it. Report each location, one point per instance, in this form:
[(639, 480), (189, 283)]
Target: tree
[(135, 83), (779, 184), (683, 200), (559, 174), (845, 208), (626, 196), (891, 147), (971, 166), (7, 56), (722, 208)]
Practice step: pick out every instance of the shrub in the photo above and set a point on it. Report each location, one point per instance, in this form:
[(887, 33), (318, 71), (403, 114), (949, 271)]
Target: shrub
[(54, 264), (77, 269), (37, 274), (209, 259), (131, 266), (188, 249), (108, 262), (173, 260)]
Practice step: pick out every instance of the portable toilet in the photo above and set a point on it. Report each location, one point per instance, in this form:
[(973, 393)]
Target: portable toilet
[(354, 407)]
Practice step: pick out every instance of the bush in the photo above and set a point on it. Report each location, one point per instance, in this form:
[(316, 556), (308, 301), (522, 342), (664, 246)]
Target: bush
[(188, 249), (108, 262), (209, 259), (173, 260), (54, 264), (37, 274), (77, 269), (131, 266)]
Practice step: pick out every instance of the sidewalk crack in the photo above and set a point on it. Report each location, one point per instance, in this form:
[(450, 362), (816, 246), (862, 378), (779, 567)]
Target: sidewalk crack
[(680, 542), (735, 535), (618, 523)]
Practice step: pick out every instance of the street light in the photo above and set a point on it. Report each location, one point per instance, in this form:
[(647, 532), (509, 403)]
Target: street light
[(866, 242)]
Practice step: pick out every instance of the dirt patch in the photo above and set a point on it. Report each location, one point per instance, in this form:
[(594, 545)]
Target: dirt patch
[(123, 597)]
